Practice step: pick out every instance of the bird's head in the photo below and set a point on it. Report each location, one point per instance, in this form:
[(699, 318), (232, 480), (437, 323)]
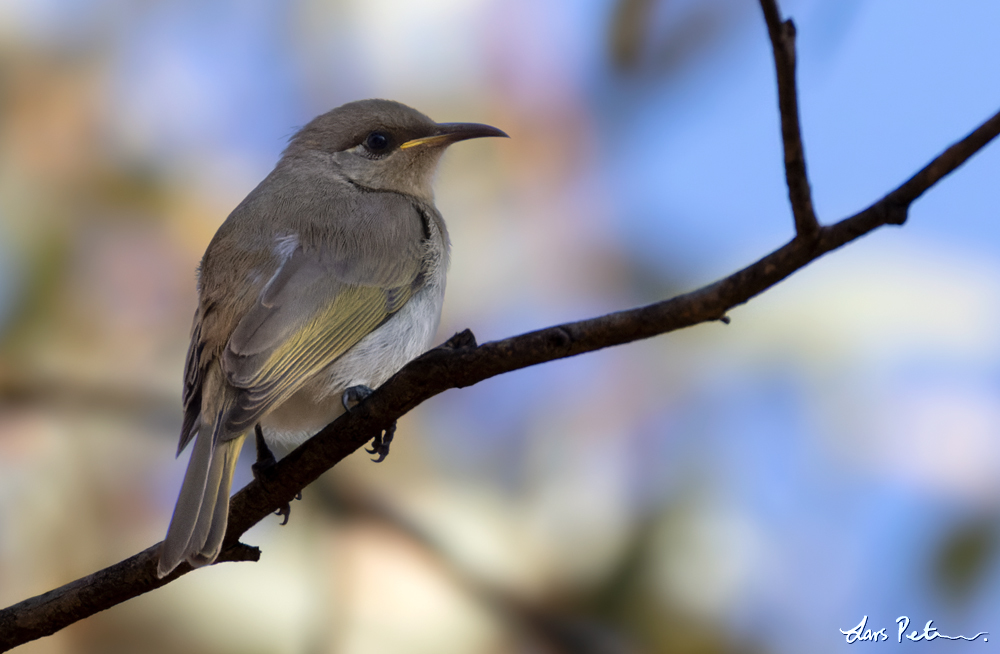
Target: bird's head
[(384, 145)]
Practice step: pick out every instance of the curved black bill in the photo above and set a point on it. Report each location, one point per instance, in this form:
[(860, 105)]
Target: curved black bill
[(448, 133)]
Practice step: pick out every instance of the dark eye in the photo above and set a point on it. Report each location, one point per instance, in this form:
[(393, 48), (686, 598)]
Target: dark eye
[(377, 141)]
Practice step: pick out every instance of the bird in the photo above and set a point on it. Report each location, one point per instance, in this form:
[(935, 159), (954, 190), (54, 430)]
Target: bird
[(321, 284)]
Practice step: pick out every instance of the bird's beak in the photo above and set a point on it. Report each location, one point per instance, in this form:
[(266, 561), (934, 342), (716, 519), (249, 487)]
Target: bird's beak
[(448, 133)]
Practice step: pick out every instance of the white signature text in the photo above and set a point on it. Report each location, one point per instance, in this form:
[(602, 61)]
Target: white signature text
[(930, 632)]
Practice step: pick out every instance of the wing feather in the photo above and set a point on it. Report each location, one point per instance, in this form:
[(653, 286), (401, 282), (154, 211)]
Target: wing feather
[(272, 375)]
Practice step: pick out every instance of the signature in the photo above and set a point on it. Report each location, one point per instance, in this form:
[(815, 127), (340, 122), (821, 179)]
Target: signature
[(930, 632)]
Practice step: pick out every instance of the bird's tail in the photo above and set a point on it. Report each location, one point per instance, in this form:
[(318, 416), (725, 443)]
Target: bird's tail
[(199, 522)]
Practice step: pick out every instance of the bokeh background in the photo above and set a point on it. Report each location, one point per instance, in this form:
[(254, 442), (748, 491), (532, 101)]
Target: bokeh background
[(833, 453)]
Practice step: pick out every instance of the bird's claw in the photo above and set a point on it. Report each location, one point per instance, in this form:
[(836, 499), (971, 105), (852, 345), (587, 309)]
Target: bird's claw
[(462, 340), (286, 511), (265, 462), (380, 444), (354, 395)]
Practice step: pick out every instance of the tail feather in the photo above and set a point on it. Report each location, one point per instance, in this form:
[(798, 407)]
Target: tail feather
[(199, 522), (206, 542)]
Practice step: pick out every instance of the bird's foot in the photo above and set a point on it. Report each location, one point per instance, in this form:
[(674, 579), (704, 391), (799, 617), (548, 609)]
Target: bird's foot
[(380, 444), (262, 468), (265, 458), (354, 396), (462, 340)]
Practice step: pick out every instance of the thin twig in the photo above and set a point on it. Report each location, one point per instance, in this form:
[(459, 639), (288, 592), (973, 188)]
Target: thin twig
[(782, 35)]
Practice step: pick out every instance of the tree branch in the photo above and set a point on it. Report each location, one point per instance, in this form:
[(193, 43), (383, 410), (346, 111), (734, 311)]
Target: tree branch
[(461, 362), (782, 35)]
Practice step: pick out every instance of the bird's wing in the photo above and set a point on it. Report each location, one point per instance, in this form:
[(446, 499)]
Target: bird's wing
[(351, 270), (305, 320)]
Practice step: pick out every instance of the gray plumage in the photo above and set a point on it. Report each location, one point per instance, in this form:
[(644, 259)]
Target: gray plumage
[(329, 275)]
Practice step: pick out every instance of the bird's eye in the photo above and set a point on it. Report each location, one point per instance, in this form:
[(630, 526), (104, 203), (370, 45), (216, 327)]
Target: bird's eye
[(377, 141)]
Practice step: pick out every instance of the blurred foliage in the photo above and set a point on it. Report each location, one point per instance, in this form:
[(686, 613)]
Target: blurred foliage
[(628, 31), (964, 558), (661, 38)]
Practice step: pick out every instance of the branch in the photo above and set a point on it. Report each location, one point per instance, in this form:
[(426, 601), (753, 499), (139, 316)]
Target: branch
[(48, 613), (783, 44), (461, 362)]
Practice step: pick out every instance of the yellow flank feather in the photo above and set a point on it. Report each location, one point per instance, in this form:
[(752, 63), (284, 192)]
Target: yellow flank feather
[(352, 314)]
